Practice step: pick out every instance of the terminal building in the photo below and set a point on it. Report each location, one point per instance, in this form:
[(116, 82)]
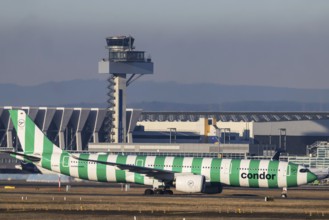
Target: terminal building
[(227, 134)]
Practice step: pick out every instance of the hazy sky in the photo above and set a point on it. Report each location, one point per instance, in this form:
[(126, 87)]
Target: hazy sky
[(278, 43)]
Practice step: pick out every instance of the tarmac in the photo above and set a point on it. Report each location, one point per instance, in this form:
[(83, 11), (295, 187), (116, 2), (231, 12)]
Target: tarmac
[(20, 200)]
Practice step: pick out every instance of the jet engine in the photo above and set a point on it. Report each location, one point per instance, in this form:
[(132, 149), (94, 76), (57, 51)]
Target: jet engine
[(190, 183)]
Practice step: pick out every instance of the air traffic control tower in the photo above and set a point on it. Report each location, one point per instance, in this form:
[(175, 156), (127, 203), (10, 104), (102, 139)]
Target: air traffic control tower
[(124, 65)]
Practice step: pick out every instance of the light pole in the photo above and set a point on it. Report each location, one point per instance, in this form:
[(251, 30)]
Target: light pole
[(172, 130), (283, 138)]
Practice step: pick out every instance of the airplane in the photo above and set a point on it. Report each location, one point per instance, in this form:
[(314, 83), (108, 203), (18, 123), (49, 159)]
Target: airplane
[(160, 173)]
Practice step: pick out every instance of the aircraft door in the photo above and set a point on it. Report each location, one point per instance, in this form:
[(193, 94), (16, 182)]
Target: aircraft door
[(139, 162), (65, 162)]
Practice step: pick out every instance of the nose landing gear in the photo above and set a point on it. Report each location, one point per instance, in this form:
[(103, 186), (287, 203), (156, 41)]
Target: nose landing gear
[(284, 193)]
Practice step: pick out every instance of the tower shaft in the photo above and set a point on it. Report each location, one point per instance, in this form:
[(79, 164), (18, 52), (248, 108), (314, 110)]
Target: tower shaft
[(122, 60)]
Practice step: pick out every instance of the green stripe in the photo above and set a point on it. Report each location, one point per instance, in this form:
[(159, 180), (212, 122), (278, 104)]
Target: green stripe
[(311, 177), (64, 163), (14, 118), (292, 175), (178, 163), (47, 153), (140, 161), (159, 162), (273, 168), (196, 165), (29, 135), (139, 178), (83, 166), (235, 173), (120, 175), (101, 168), (215, 170), (253, 168), (48, 146)]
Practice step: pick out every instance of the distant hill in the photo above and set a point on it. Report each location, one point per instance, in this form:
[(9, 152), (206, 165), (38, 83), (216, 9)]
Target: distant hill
[(207, 93), (54, 93), (168, 96)]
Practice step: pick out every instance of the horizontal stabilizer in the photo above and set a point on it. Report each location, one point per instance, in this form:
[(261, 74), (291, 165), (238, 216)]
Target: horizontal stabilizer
[(31, 158)]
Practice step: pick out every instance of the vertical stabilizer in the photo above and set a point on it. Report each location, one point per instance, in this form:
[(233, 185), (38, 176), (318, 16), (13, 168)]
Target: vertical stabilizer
[(32, 140)]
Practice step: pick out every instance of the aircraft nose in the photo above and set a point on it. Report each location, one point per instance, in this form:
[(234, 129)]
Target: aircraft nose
[(311, 177)]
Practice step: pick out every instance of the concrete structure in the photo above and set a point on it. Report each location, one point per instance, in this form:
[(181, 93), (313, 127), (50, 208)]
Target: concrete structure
[(74, 128), (122, 60), (264, 137), (195, 150), (69, 128), (318, 156)]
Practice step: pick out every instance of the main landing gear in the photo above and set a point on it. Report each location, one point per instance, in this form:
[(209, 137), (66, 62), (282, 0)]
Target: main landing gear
[(158, 192)]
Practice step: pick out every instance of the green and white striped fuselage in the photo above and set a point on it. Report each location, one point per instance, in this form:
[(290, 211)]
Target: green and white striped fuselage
[(186, 174), (233, 172)]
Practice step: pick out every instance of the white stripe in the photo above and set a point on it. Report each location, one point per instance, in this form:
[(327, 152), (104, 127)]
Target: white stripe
[(301, 177), (21, 129), (282, 174), (74, 166), (168, 163), (244, 165), (149, 161), (130, 177), (110, 170), (148, 180), (206, 167), (187, 164), (55, 162), (131, 159), (263, 170), (38, 140), (225, 172), (92, 173)]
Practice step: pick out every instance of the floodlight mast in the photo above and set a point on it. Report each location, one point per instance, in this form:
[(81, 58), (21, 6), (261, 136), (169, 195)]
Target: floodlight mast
[(122, 61)]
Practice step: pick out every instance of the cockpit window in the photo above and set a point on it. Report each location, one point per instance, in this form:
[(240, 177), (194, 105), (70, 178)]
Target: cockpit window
[(304, 170)]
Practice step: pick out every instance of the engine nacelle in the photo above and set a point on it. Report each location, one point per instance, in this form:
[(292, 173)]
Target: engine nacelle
[(213, 188), (190, 183)]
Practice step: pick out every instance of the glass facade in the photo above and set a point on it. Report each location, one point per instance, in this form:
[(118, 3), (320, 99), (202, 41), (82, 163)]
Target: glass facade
[(133, 56), (120, 41), (185, 154), (319, 158)]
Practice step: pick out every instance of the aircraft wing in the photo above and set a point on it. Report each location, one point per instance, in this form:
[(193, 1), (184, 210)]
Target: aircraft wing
[(148, 171), (32, 158)]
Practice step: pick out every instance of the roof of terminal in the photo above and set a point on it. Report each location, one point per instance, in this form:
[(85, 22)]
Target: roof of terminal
[(234, 116)]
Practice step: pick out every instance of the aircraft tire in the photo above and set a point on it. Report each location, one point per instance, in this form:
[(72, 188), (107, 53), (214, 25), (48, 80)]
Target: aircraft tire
[(148, 192), (158, 191)]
